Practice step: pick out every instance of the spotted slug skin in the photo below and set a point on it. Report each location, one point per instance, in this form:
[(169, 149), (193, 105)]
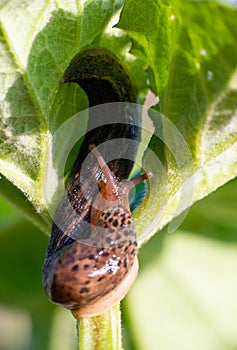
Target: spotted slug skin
[(88, 268)]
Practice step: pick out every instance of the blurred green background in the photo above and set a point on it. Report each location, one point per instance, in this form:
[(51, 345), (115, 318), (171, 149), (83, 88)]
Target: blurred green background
[(184, 298)]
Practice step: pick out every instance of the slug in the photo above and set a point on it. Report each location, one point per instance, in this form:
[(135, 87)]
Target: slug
[(91, 262)]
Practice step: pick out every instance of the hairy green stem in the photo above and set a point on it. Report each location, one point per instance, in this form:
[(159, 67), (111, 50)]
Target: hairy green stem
[(101, 332)]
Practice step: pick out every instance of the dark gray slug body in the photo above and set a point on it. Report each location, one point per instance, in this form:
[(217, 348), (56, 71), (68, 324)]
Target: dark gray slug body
[(76, 275)]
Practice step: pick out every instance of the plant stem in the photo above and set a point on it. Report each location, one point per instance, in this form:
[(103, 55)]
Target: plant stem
[(101, 332)]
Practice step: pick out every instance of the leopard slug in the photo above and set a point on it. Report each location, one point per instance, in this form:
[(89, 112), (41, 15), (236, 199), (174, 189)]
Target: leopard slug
[(91, 262)]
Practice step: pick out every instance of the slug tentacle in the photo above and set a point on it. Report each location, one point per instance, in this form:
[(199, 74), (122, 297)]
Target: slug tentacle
[(91, 261)]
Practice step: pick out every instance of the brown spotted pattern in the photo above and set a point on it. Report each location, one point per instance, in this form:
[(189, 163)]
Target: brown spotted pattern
[(87, 273), (83, 274), (75, 273)]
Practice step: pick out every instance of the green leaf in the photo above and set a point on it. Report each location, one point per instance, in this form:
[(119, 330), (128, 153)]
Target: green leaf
[(191, 50), (150, 24), (37, 41)]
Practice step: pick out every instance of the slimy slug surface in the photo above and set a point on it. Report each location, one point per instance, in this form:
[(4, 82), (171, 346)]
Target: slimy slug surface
[(88, 271)]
